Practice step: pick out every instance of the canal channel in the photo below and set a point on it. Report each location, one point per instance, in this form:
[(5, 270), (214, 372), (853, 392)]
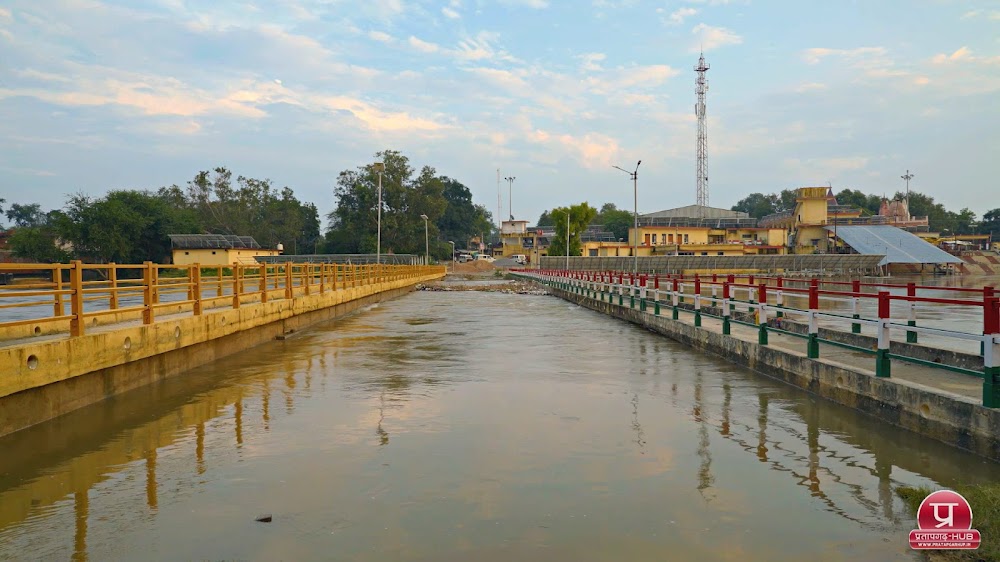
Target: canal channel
[(468, 425)]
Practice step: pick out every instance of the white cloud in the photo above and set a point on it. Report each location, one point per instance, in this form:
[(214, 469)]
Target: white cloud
[(4, 14), (423, 46), (536, 4), (380, 36), (679, 15), (961, 54), (710, 38), (810, 87), (817, 54), (989, 14), (450, 13), (590, 61)]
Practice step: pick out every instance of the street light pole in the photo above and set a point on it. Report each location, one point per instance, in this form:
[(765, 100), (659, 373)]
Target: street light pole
[(635, 194), (379, 168), (567, 238), (908, 176), (510, 193), (427, 243), (452, 254)]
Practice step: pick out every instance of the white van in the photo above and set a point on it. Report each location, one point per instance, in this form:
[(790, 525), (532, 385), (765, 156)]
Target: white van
[(485, 257), (520, 258)]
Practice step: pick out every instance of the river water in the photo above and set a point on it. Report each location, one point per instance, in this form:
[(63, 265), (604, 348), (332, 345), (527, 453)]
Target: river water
[(447, 426)]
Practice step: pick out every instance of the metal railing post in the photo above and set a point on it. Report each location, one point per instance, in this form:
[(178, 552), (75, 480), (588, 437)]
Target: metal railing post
[(883, 365), (263, 282), (76, 323), (675, 299), (911, 291), (59, 304), (991, 352), (148, 280), (196, 281), (726, 327), (812, 344), (113, 280), (856, 289)]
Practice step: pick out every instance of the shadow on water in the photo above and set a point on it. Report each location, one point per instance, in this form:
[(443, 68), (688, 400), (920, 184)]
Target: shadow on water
[(517, 433)]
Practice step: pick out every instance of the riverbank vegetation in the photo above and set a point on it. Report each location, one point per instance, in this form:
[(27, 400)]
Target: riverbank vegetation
[(132, 225)]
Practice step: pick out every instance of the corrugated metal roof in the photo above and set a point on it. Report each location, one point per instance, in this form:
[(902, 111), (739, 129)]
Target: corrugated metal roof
[(204, 241), (896, 244), (697, 211)]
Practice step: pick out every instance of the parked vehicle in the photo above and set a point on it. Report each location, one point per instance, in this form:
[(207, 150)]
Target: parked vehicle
[(520, 258), (486, 258)]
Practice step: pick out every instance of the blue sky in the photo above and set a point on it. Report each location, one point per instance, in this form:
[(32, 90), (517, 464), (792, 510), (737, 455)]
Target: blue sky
[(98, 95)]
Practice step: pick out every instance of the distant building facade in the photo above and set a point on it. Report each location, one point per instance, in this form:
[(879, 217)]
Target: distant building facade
[(217, 249)]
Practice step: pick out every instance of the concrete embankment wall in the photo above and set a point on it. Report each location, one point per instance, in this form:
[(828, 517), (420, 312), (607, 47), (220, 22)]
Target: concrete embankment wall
[(952, 419), (45, 379)]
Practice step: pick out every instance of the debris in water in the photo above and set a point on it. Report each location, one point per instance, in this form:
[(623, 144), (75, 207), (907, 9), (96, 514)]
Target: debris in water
[(266, 518)]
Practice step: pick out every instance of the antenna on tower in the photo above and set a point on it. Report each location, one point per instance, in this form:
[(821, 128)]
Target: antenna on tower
[(701, 87)]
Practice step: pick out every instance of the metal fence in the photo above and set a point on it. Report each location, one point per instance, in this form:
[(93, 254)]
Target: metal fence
[(824, 263), (349, 259)]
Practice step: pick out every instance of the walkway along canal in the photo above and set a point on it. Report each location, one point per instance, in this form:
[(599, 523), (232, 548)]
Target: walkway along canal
[(461, 425), (926, 390)]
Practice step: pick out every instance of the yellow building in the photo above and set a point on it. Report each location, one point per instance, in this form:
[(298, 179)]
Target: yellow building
[(217, 249), (815, 209), (704, 231)]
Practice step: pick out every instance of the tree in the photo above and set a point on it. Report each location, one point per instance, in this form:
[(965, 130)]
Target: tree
[(39, 242), (545, 219), (990, 224), (447, 203), (125, 226), (869, 204), (615, 220), (25, 215), (758, 204), (580, 216)]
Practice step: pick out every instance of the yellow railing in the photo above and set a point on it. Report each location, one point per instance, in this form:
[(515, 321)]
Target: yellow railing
[(115, 289)]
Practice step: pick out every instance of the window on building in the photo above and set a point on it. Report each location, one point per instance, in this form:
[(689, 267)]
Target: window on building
[(213, 252), (685, 238), (187, 253), (654, 239), (671, 238), (721, 253), (704, 253)]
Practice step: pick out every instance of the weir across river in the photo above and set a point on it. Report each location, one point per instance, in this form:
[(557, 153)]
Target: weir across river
[(457, 425)]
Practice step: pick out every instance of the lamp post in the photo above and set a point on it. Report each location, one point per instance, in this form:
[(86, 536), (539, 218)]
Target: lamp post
[(452, 254), (427, 244), (510, 193), (379, 169), (907, 176), (567, 238), (635, 193)]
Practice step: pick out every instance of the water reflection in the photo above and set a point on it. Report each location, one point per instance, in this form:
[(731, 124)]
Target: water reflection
[(522, 450)]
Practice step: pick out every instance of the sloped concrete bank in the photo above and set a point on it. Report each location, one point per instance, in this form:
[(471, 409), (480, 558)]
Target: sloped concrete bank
[(949, 418), (43, 380)]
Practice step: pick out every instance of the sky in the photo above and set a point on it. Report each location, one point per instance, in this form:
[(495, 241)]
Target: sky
[(115, 94)]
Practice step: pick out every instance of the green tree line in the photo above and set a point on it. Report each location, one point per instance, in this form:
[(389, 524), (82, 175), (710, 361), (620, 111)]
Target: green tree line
[(132, 226), (406, 195), (939, 218)]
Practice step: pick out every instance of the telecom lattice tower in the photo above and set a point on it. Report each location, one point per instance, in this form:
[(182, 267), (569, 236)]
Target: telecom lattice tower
[(701, 87)]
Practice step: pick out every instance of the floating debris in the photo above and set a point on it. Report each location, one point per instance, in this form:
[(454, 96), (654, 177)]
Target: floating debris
[(509, 288)]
